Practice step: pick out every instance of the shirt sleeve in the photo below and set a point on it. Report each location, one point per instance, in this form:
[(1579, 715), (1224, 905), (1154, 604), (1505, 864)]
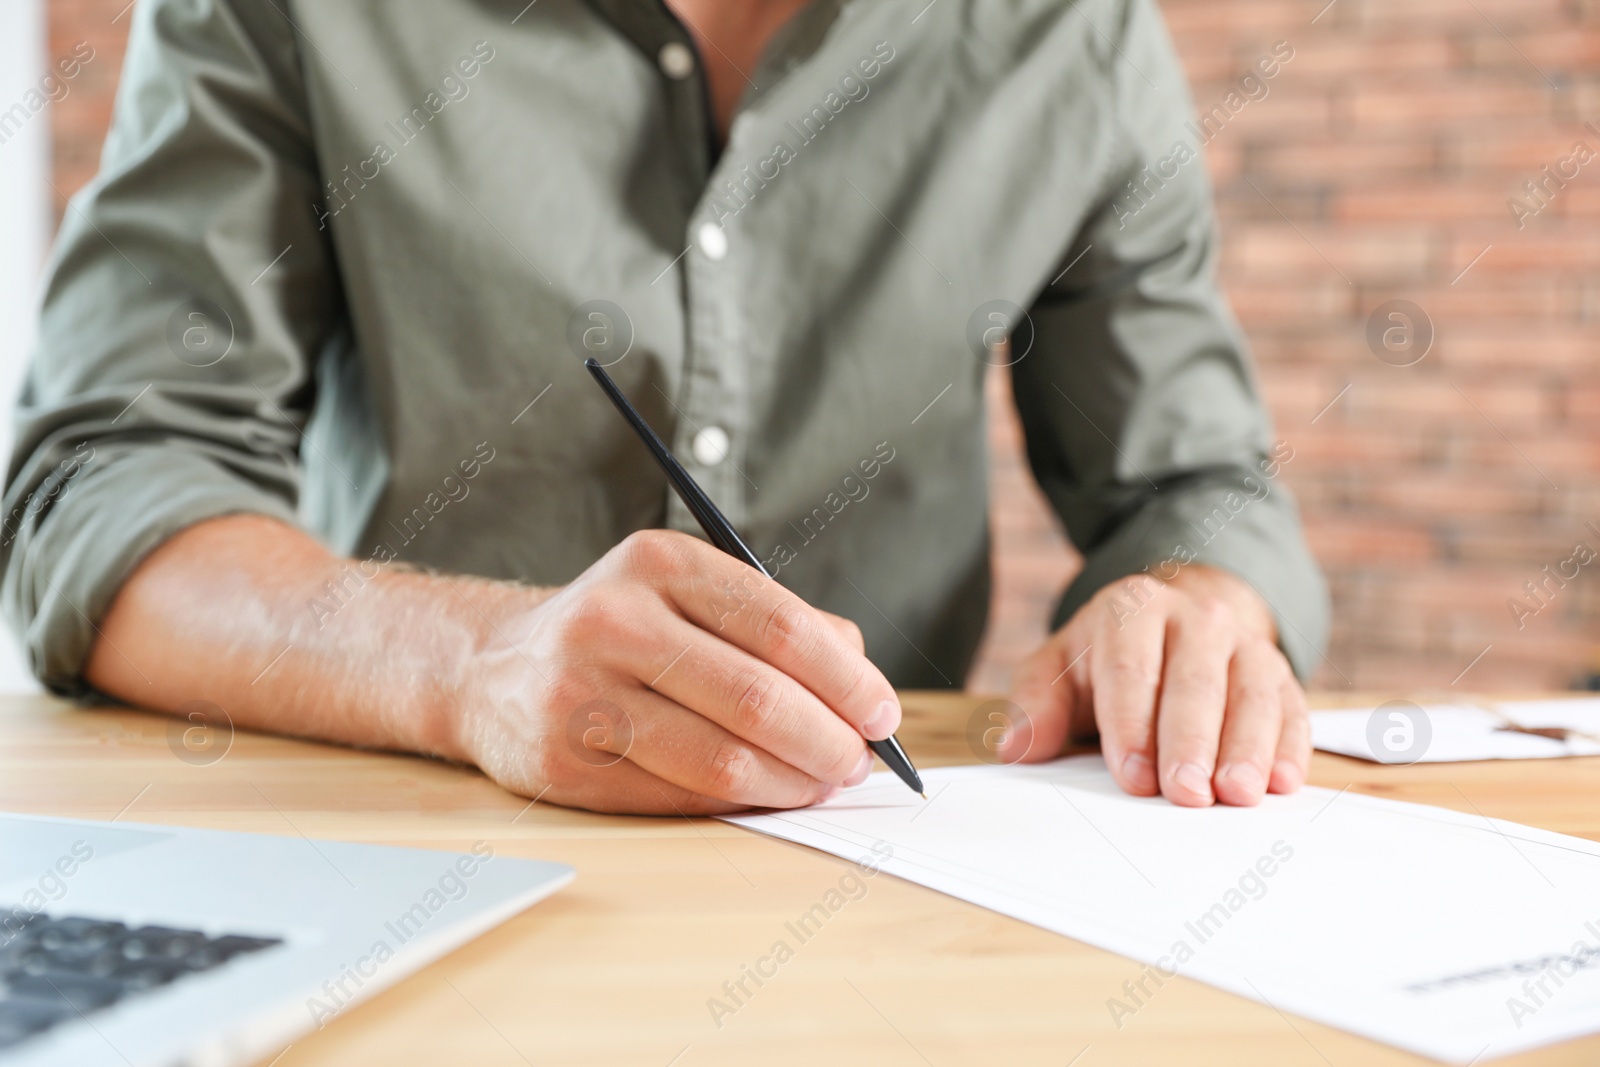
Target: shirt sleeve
[(189, 287), (1138, 400)]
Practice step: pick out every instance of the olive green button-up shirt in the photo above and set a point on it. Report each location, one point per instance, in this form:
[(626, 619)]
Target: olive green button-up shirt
[(343, 260)]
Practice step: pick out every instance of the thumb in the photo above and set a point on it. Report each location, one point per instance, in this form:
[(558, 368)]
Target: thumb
[(1047, 697)]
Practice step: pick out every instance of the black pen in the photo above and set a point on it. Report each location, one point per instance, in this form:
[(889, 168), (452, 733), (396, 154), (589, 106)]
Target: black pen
[(723, 535)]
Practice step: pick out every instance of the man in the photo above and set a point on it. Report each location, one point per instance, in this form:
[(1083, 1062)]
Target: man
[(308, 438)]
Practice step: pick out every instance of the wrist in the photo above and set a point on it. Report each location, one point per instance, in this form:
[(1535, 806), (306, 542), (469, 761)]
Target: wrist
[(471, 657)]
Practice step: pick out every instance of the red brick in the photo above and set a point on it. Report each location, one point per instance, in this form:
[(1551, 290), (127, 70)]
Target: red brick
[(1579, 201), (1541, 345), (1380, 17), (1452, 494), (1282, 111), (1256, 19), (1393, 254), (1449, 203), (1477, 297), (1336, 58), (1327, 298), (1364, 160), (1518, 154), (1370, 540), (1424, 100), (1551, 250), (1552, 50)]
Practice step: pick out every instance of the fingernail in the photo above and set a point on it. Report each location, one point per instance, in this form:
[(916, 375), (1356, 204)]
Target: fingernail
[(883, 721), (1245, 777), (863, 769), (1193, 777), (1287, 775), (1137, 773)]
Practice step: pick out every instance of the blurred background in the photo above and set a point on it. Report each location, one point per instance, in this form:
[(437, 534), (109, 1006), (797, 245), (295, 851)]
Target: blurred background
[(1410, 229)]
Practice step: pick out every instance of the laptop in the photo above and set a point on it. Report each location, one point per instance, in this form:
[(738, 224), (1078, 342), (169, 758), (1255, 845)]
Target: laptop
[(125, 945)]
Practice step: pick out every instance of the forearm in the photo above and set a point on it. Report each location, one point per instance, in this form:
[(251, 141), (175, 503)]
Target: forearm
[(239, 611)]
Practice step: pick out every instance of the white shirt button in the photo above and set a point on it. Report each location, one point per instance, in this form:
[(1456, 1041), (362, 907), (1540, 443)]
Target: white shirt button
[(710, 446), (712, 239), (677, 62)]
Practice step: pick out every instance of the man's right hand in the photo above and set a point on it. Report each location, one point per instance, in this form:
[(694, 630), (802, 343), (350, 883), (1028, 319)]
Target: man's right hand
[(671, 677), (667, 678)]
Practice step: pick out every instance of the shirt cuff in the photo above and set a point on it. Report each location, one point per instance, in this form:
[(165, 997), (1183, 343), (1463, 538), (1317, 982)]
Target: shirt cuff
[(63, 572), (1244, 525)]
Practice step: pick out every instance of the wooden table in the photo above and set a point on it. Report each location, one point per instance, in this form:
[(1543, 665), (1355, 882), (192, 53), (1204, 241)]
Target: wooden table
[(618, 968)]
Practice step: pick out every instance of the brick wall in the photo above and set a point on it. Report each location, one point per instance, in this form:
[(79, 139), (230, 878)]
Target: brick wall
[(1376, 167), (78, 122)]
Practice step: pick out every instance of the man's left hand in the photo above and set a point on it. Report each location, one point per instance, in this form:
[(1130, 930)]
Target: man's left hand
[(1185, 684)]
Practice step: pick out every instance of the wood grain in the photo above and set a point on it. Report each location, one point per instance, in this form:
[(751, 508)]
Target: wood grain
[(619, 967)]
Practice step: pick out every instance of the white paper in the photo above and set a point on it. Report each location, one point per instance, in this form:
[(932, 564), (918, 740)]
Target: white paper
[(1458, 733), (1351, 910)]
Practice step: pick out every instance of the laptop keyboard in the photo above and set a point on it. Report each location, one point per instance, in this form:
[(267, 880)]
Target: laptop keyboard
[(55, 968)]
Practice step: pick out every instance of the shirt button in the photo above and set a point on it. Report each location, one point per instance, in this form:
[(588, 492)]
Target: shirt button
[(677, 62), (710, 446), (712, 239)]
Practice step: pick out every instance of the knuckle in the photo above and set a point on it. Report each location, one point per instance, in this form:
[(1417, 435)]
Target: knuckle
[(785, 627), (1256, 693), (1199, 687), (1128, 735), (593, 616), (1136, 671), (1158, 593), (731, 771), (856, 680), (648, 553), (1212, 613), (760, 696)]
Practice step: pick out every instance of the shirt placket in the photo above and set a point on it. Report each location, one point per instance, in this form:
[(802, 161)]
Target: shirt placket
[(711, 428), (708, 432), (712, 405)]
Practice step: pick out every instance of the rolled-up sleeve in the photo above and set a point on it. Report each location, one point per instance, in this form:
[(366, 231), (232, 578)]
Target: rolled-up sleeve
[(1143, 422), (187, 296)]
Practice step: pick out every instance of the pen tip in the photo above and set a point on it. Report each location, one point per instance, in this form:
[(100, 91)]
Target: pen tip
[(924, 796)]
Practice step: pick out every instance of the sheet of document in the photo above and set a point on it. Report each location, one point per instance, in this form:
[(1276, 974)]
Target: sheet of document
[(1451, 935), (1453, 733)]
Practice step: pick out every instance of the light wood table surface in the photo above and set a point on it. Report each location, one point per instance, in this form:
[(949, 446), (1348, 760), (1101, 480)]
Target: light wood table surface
[(618, 967)]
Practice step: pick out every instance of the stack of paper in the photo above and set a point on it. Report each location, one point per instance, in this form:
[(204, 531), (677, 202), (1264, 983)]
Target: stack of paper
[(1451, 935), (1402, 732)]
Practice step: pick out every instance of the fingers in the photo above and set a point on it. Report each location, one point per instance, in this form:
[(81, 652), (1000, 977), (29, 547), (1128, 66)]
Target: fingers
[(777, 627), (1194, 697), (1293, 757), (1125, 662), (689, 750), (748, 699), (1191, 697), (1254, 724), (626, 789), (633, 750)]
